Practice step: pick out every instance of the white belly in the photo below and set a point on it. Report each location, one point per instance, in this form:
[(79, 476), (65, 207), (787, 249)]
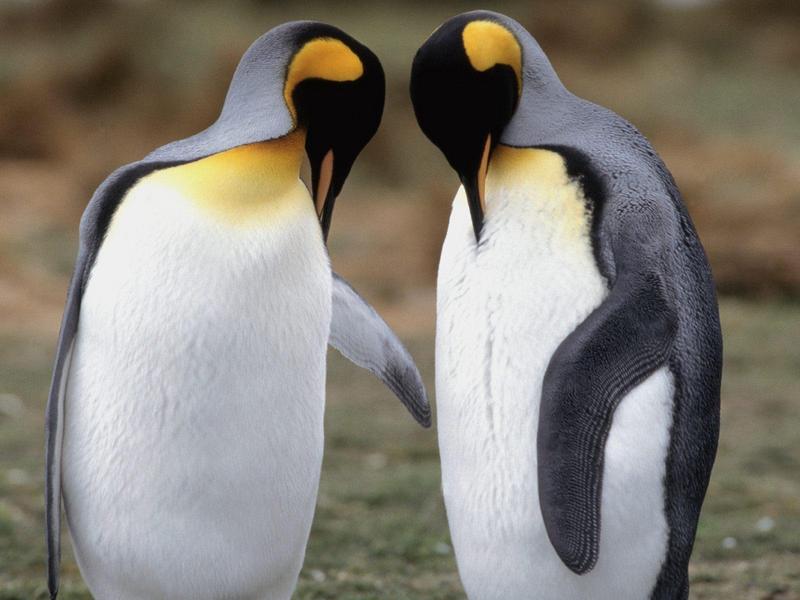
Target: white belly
[(194, 412), (501, 312)]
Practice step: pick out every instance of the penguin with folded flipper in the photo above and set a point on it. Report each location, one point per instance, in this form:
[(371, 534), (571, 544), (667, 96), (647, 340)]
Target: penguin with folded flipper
[(578, 346), (185, 420)]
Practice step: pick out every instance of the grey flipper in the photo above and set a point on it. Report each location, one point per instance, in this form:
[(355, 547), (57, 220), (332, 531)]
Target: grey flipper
[(359, 333), (628, 337), (54, 429)]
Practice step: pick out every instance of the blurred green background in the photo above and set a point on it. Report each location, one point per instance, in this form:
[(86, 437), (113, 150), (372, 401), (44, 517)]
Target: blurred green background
[(87, 85)]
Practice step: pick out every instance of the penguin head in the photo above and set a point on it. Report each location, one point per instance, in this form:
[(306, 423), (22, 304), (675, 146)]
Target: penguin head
[(306, 76), (481, 79), (335, 90), (466, 81)]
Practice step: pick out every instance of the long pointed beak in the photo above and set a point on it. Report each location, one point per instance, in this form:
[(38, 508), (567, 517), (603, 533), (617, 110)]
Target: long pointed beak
[(323, 193), (475, 187)]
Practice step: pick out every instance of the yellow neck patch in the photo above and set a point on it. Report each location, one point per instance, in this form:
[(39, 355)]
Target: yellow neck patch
[(488, 44), (243, 183), (321, 58)]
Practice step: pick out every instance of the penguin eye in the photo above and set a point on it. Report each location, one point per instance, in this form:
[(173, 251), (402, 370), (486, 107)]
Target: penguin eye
[(321, 58)]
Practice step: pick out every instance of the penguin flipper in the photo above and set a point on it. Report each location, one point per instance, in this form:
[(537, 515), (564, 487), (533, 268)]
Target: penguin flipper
[(628, 337), (54, 413), (361, 336), (54, 429), (94, 224)]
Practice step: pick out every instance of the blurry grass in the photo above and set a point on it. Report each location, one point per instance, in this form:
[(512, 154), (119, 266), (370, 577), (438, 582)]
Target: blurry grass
[(380, 528)]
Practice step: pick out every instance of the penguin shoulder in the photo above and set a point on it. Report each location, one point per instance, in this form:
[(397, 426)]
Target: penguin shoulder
[(243, 185)]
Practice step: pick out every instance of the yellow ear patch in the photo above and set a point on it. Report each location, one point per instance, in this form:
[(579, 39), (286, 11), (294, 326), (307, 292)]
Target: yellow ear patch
[(488, 44), (321, 58)]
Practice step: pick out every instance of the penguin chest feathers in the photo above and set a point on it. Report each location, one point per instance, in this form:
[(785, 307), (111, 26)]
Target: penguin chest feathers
[(232, 237), (503, 307), (505, 304), (197, 383)]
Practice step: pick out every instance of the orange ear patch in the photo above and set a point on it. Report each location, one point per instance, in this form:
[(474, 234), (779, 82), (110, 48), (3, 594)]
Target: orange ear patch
[(321, 58), (488, 44)]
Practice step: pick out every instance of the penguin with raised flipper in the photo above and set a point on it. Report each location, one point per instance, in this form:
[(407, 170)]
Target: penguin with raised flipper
[(578, 345), (185, 420)]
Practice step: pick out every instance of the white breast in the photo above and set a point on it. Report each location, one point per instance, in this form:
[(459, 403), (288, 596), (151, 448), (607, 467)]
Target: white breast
[(193, 428), (502, 310)]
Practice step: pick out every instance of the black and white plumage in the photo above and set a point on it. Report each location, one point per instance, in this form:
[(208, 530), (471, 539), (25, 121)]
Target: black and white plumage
[(578, 338)]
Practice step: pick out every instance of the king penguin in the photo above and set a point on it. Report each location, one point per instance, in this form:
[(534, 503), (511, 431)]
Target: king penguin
[(578, 345), (185, 419)]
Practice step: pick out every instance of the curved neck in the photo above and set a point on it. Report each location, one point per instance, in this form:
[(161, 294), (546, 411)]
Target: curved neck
[(544, 104)]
